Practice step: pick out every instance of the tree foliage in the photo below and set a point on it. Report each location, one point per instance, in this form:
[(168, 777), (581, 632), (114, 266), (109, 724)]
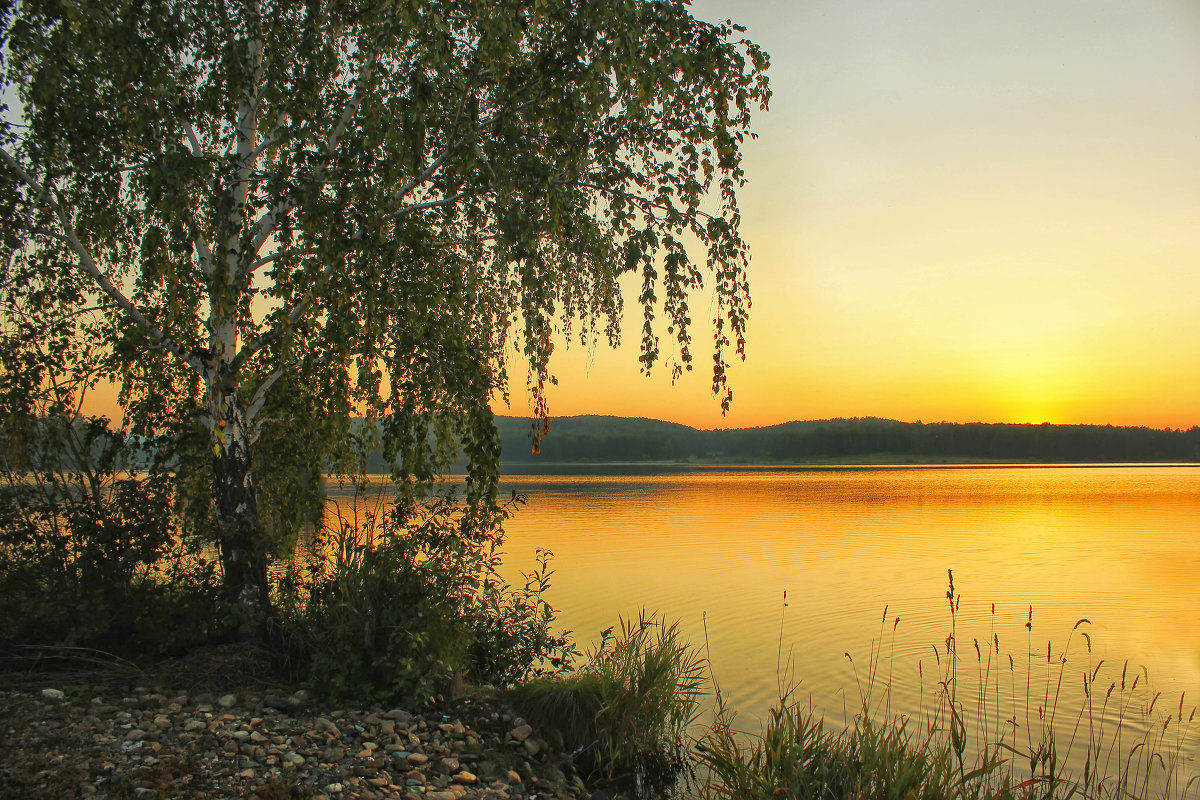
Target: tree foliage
[(288, 212)]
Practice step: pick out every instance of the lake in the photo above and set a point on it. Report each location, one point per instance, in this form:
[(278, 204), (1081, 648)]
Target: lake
[(717, 548)]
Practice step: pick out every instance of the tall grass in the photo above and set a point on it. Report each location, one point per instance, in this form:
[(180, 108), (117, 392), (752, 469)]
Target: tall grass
[(626, 713), (989, 726)]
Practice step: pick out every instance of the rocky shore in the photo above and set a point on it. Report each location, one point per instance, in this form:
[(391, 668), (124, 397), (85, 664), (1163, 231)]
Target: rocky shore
[(149, 744)]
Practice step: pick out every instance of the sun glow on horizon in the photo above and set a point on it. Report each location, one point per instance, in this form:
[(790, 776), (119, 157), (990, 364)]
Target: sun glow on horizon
[(960, 213)]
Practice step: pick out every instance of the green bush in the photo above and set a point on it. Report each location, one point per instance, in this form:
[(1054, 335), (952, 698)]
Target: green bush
[(408, 603), (624, 714)]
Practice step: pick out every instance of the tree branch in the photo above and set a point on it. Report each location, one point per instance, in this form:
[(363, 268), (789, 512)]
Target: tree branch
[(249, 350), (261, 262), (267, 223), (244, 138), (270, 220), (451, 145), (88, 264), (421, 206), (638, 200), (193, 139), (260, 395), (208, 264)]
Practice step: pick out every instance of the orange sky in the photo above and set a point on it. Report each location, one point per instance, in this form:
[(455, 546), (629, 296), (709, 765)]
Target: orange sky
[(984, 211)]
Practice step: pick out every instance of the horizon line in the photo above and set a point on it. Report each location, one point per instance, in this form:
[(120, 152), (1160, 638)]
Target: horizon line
[(552, 417)]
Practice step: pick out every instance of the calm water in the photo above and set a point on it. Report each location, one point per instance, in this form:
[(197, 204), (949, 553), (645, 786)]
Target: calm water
[(717, 549), (1119, 546)]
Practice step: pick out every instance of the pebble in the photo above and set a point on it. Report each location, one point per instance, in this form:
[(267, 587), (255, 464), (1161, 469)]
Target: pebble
[(159, 745)]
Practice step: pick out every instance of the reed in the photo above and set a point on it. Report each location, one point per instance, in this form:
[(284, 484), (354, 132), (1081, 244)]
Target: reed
[(985, 729)]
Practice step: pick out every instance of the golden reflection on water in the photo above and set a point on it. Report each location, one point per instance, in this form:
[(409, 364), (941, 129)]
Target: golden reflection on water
[(717, 549)]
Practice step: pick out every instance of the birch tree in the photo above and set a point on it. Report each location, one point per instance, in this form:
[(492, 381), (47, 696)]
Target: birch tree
[(295, 211)]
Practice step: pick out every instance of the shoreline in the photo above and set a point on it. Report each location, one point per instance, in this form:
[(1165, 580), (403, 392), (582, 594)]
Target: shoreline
[(865, 462)]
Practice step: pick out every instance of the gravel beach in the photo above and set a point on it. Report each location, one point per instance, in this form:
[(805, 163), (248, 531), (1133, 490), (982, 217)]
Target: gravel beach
[(149, 744)]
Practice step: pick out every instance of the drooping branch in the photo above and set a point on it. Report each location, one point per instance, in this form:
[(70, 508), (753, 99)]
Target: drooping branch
[(88, 264)]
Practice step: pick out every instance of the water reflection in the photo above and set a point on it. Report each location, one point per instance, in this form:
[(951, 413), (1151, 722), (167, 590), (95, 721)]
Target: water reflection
[(717, 549)]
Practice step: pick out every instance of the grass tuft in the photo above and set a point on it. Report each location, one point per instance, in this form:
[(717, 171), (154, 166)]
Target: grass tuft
[(625, 714)]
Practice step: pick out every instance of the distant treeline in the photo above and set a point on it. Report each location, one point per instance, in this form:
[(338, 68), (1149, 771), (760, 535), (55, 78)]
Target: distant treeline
[(609, 439), (600, 439)]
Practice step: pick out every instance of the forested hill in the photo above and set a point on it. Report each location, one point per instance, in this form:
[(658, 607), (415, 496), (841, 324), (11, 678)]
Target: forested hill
[(617, 439)]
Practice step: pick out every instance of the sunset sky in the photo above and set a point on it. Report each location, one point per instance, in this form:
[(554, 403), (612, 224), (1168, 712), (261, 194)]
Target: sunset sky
[(981, 211), (963, 211)]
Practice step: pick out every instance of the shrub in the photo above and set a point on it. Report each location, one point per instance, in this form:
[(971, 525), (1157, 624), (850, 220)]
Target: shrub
[(91, 555), (408, 602)]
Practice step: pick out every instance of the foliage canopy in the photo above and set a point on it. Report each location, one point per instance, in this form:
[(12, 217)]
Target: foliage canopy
[(280, 214)]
